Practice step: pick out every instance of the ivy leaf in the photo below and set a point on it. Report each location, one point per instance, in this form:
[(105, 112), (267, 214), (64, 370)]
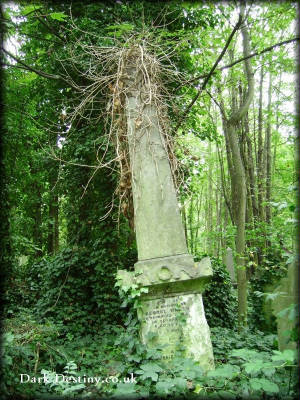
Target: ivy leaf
[(180, 383), (164, 387), (253, 367), (126, 389), (245, 354), (263, 384), (135, 358), (29, 9), (188, 369), (226, 371), (149, 370), (269, 371), (151, 367), (120, 27), (225, 394), (269, 386), (59, 16), (255, 383), (154, 354), (73, 388), (287, 355)]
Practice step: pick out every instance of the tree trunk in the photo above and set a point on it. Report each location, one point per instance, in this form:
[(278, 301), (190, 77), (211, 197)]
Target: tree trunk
[(223, 182), (251, 174), (191, 225), (232, 126), (199, 202), (276, 129), (260, 151), (268, 155), (56, 224), (218, 218), (50, 239), (238, 198), (209, 244), (183, 215), (37, 234), (53, 225)]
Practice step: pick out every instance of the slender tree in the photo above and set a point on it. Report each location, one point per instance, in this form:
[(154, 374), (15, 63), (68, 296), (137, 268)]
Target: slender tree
[(232, 128)]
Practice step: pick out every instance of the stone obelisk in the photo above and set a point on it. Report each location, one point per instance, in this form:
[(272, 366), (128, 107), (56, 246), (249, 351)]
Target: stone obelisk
[(172, 310)]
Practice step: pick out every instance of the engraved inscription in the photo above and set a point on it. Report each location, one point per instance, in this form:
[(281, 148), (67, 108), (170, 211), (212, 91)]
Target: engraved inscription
[(165, 313)]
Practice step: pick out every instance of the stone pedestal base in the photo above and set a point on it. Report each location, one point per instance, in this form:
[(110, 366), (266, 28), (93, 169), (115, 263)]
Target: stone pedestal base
[(177, 321), (172, 313)]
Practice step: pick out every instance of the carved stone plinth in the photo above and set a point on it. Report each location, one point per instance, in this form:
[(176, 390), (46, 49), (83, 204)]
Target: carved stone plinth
[(172, 312)]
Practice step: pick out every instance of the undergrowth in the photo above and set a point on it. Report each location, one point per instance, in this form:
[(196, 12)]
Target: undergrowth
[(247, 364)]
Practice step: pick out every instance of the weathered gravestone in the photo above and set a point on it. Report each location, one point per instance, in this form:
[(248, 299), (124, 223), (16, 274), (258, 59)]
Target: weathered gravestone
[(172, 309), (288, 290), (229, 263)]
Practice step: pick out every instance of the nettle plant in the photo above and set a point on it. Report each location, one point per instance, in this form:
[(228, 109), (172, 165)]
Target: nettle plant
[(63, 386)]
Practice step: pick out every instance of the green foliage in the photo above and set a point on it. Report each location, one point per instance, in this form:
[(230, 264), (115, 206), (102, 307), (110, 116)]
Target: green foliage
[(62, 386), (76, 283), (59, 16), (275, 268), (219, 298), (246, 363), (27, 345), (70, 291), (253, 374), (291, 312), (224, 340)]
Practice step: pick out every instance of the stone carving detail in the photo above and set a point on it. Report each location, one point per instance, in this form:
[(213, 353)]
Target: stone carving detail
[(171, 269), (164, 273)]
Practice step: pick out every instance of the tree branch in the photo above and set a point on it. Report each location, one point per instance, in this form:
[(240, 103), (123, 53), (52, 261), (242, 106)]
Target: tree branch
[(217, 104), (49, 27), (223, 184), (257, 53), (31, 12), (14, 66), (38, 37), (238, 114), (238, 24), (30, 35), (29, 68)]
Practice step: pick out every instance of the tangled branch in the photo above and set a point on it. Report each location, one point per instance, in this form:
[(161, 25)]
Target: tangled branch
[(104, 97)]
